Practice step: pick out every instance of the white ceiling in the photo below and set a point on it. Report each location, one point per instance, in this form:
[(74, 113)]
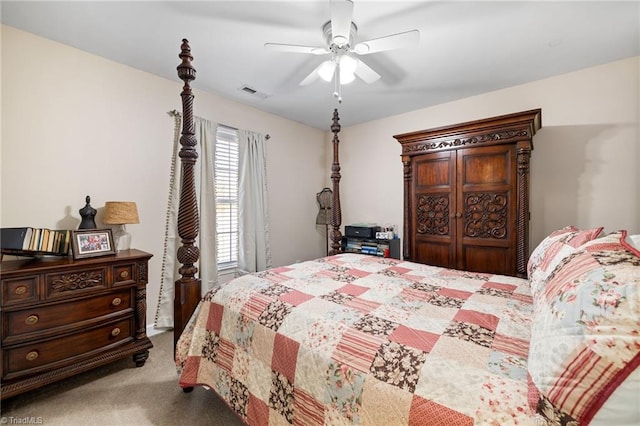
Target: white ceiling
[(466, 48)]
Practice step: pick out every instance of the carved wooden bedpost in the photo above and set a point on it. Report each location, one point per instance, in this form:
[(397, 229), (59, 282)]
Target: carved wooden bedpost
[(187, 288), (336, 212)]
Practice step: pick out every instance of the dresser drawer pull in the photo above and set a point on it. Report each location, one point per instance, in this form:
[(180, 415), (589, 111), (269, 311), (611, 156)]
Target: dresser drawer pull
[(32, 320), (31, 356), (117, 301), (115, 332), (20, 290), (124, 274)]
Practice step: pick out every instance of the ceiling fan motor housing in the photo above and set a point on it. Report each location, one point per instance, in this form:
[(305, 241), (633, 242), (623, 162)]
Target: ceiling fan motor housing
[(333, 46)]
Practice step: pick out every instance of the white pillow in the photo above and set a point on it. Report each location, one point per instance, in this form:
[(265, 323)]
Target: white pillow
[(621, 409), (634, 241)]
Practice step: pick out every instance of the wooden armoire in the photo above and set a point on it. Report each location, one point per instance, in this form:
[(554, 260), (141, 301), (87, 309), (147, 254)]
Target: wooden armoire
[(466, 194)]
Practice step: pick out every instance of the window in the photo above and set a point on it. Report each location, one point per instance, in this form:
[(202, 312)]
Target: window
[(226, 184)]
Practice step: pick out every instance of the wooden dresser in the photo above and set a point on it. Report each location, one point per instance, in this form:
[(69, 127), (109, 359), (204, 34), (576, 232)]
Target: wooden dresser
[(466, 194), (62, 316)]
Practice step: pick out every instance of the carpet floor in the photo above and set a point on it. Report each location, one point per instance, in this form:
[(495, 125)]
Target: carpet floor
[(119, 394)]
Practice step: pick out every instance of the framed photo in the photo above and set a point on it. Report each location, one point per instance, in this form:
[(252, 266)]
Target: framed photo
[(92, 242)]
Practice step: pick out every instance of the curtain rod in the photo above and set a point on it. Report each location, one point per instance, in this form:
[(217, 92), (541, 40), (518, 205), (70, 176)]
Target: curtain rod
[(175, 113)]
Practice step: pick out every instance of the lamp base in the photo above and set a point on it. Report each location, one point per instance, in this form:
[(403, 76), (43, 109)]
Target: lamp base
[(122, 239)]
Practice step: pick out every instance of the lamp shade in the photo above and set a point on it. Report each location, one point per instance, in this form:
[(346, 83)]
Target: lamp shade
[(120, 213)]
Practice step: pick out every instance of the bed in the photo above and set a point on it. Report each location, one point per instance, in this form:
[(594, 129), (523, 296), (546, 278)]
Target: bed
[(358, 339)]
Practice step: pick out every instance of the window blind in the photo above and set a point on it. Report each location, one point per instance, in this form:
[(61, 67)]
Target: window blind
[(226, 185)]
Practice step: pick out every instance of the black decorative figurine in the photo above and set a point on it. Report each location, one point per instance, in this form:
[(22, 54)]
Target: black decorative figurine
[(87, 213)]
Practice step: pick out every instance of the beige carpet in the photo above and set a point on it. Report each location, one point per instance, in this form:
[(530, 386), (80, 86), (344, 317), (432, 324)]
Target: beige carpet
[(119, 394)]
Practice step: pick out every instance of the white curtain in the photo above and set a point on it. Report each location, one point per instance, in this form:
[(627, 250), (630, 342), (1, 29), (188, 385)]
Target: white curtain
[(254, 250), (205, 132)]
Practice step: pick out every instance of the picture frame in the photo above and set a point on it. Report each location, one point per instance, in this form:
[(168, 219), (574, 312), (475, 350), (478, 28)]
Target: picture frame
[(92, 243)]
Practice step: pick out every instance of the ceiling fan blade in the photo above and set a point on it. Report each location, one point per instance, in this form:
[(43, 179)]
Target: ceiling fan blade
[(294, 48), (366, 73), (395, 41), (341, 15), (313, 76)]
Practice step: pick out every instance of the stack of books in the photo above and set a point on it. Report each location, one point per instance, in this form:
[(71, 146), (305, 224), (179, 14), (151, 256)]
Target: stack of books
[(35, 241)]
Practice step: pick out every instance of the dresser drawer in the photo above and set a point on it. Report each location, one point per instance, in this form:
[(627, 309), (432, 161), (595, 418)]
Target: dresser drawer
[(19, 290), (74, 282), (124, 274), (39, 318), (26, 358)]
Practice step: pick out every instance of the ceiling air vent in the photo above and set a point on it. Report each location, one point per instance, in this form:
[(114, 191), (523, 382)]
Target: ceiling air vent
[(253, 92)]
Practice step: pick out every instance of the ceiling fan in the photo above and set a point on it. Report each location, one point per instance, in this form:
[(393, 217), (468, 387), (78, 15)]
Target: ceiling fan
[(340, 34)]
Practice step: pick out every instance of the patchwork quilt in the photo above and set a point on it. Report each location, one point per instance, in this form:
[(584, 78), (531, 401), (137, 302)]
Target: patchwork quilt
[(357, 339)]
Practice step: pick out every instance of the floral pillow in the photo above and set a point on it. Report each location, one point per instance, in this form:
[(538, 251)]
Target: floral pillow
[(585, 336), (550, 253)]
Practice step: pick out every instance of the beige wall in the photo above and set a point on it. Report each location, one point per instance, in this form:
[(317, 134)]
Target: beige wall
[(74, 124), (584, 165)]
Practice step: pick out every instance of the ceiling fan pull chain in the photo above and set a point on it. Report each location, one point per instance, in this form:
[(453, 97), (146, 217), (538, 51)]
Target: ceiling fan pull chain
[(337, 92)]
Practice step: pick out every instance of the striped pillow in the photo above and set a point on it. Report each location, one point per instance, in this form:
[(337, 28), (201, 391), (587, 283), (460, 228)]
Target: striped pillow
[(551, 252)]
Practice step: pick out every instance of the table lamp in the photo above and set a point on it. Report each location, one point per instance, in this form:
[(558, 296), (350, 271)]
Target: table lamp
[(121, 213)]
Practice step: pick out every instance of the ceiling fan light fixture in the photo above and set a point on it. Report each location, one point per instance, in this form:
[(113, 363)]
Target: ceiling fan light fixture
[(326, 70), (348, 67), (346, 78)]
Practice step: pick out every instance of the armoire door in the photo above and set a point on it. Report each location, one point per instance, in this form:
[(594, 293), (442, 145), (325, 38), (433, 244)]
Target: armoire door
[(486, 209), (433, 204)]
